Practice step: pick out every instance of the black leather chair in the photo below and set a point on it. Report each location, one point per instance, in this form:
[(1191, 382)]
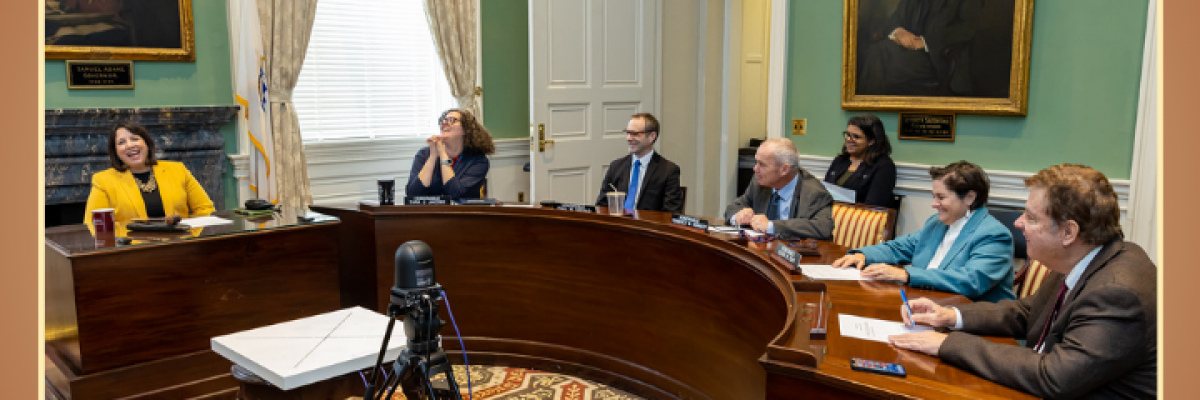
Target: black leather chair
[(1008, 217)]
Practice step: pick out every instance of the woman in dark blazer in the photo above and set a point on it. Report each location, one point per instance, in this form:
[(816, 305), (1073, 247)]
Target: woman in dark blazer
[(864, 164), (455, 163)]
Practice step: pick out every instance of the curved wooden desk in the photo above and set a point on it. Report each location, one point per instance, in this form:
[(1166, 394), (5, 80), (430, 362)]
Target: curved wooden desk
[(654, 308)]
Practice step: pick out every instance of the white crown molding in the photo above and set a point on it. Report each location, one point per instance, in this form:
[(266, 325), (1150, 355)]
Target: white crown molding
[(241, 166), (1008, 187)]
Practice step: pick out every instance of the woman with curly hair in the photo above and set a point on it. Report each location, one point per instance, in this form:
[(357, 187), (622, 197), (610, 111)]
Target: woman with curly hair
[(455, 163)]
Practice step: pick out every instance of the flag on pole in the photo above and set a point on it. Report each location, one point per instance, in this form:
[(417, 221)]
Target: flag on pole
[(250, 91)]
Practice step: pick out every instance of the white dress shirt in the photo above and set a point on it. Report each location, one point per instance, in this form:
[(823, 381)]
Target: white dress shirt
[(948, 241)]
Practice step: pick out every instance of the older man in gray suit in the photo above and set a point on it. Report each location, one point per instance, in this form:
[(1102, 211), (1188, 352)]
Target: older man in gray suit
[(784, 200), (1091, 328)]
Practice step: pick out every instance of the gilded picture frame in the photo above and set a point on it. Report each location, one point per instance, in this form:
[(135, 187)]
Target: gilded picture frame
[(160, 30), (964, 56)]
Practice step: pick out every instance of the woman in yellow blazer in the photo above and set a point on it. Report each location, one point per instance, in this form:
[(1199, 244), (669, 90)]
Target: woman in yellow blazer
[(139, 186)]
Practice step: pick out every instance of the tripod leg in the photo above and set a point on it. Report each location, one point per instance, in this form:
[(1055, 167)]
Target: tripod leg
[(425, 381), (411, 383), (401, 370), (453, 385)]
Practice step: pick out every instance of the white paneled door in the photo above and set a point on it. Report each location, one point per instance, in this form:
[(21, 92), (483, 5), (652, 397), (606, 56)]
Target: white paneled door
[(592, 65)]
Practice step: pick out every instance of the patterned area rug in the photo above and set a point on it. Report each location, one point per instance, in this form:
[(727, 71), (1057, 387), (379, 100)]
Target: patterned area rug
[(491, 382)]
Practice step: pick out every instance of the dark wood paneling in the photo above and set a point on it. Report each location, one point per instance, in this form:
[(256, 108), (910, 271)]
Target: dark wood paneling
[(138, 306), (179, 377), (356, 256)]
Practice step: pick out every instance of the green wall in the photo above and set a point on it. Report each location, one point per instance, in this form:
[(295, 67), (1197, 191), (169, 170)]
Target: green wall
[(1084, 79), (205, 82), (505, 42)]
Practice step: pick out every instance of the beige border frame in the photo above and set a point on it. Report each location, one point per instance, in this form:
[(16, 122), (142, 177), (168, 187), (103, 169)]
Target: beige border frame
[(1018, 86), (186, 53), (71, 84)]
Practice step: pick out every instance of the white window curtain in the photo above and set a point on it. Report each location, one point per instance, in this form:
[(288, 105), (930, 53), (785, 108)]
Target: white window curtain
[(371, 72)]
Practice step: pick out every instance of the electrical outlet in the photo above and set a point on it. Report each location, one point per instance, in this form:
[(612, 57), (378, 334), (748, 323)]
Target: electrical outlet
[(798, 126), (520, 197)]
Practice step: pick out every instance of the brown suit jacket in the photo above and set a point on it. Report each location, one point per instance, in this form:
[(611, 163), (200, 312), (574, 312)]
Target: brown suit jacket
[(1102, 345)]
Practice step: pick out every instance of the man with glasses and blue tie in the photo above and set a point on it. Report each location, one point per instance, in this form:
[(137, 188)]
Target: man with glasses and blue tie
[(784, 200), (650, 181)]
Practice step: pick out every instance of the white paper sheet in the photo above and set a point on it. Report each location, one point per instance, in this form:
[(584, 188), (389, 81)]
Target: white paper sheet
[(750, 233), (829, 272), (839, 193), (206, 221), (724, 229), (874, 329)]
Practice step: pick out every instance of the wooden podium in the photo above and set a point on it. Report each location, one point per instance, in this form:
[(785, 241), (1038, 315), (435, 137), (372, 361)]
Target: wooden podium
[(135, 320)]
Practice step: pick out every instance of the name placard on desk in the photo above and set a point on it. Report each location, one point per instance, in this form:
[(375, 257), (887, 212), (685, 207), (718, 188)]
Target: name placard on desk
[(478, 202), (442, 200), (789, 255), (576, 207), (691, 222)]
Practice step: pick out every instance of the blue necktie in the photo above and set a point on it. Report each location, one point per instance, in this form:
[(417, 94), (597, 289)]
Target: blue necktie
[(773, 208), (631, 197)]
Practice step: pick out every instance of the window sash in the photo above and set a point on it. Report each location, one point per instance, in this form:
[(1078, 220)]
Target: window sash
[(371, 71)]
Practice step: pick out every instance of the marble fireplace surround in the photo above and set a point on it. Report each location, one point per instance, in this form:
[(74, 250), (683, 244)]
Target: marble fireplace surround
[(76, 146)]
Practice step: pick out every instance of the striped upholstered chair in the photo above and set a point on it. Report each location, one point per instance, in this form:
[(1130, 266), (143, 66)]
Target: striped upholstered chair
[(1030, 278), (858, 225)]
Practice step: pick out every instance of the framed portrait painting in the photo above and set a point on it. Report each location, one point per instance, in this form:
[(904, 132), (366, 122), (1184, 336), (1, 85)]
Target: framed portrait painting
[(120, 30), (964, 56)]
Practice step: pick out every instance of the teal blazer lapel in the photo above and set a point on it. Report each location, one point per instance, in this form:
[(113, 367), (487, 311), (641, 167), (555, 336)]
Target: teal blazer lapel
[(963, 236)]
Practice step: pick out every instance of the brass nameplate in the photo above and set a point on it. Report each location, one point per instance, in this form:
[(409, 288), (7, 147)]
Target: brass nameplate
[(937, 127), (99, 74)]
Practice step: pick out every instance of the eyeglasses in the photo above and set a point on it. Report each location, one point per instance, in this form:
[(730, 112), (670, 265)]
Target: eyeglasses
[(447, 120), (854, 136), (634, 133)]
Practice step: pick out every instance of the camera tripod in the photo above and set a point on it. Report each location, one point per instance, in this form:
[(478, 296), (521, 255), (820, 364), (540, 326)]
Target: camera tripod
[(423, 357)]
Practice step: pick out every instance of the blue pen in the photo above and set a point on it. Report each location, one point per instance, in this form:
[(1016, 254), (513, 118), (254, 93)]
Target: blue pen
[(906, 307)]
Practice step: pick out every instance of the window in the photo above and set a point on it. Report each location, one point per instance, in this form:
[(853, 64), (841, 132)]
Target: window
[(371, 72)]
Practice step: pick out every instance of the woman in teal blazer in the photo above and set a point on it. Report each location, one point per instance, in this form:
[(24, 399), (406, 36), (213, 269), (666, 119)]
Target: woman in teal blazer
[(962, 249)]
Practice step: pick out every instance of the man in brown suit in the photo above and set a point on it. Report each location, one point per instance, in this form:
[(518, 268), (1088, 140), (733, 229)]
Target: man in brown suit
[(1091, 328)]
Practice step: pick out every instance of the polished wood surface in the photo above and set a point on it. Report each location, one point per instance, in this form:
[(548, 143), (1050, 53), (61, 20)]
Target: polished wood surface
[(115, 315), (658, 309), (560, 291)]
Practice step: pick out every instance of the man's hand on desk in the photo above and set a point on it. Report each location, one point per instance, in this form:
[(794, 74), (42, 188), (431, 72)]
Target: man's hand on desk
[(926, 312), (743, 217), (760, 223), (927, 342)]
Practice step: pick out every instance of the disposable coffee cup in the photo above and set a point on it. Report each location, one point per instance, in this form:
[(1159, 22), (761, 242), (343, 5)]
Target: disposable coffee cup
[(102, 219), (387, 191), (616, 203)]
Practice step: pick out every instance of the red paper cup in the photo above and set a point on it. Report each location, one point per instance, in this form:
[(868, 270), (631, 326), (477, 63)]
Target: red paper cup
[(102, 219)]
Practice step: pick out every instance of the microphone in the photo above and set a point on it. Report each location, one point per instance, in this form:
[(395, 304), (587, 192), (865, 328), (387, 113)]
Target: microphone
[(414, 271)]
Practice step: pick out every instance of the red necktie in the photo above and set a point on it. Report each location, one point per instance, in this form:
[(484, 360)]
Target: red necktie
[(1062, 292)]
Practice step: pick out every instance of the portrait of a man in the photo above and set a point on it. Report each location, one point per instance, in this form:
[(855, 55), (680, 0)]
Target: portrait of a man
[(935, 49), (118, 29)]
